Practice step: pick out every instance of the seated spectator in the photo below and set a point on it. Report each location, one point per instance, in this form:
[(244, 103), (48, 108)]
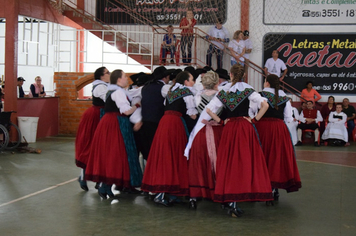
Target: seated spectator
[(335, 132), (169, 44), (309, 93), (309, 119), (349, 110), (302, 107), (20, 92), (37, 89), (292, 126), (217, 35), (325, 111)]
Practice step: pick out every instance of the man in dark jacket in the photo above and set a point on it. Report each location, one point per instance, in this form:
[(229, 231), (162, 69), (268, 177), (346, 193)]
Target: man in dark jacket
[(152, 107)]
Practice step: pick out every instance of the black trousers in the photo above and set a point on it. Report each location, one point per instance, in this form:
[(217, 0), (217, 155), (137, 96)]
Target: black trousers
[(148, 131)]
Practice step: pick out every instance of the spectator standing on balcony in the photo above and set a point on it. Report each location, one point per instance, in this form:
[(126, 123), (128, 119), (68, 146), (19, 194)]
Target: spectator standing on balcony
[(217, 35), (309, 93), (237, 48), (187, 24), (350, 112), (274, 65), (37, 89), (20, 92), (169, 44)]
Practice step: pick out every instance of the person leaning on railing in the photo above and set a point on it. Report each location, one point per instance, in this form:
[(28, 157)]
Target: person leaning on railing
[(37, 89), (187, 24)]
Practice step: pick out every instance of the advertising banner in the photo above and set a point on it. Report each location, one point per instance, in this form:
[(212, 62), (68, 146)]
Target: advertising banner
[(328, 60), (161, 12), (309, 12)]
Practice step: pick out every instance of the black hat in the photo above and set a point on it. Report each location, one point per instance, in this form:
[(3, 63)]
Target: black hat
[(200, 71), (246, 33), (223, 74), (191, 70), (207, 68), (174, 74), (20, 79), (160, 72), (144, 78), (170, 73), (134, 77)]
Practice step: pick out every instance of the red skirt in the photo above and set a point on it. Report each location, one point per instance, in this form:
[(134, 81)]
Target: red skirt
[(87, 126), (279, 153), (166, 169), (201, 164), (241, 171), (108, 162)]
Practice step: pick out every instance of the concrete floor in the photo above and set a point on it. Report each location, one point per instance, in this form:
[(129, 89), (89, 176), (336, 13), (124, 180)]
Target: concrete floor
[(40, 195)]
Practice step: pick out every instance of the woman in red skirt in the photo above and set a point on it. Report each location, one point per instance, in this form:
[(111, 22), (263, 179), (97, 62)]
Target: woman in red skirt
[(241, 171), (202, 147), (166, 169), (113, 157), (276, 139), (89, 121)]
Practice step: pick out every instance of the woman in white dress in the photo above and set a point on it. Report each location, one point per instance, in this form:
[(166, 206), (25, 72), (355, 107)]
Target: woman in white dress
[(292, 126), (336, 132)]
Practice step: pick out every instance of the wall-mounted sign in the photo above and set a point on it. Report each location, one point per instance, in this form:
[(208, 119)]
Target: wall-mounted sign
[(329, 60), (309, 12), (160, 12)]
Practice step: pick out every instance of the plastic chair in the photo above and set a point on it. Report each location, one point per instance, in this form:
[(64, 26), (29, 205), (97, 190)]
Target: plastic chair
[(311, 131), (177, 55)]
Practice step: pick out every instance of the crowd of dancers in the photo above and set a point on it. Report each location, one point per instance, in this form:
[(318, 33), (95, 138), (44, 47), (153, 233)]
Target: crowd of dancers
[(201, 138)]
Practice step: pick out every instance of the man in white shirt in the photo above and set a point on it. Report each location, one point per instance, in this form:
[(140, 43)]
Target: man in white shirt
[(217, 35), (274, 65)]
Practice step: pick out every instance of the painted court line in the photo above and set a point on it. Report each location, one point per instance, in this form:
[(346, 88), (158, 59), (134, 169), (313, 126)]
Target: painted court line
[(38, 192), (327, 163)]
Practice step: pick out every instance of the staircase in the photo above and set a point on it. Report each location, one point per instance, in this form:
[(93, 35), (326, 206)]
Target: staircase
[(108, 34)]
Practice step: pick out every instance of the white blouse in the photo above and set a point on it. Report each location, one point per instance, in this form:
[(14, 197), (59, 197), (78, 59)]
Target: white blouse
[(100, 90), (120, 98)]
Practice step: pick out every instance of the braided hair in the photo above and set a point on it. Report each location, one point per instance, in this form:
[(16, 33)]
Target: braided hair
[(237, 72), (273, 80)]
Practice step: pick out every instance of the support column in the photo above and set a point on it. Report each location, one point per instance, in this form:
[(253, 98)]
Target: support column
[(245, 20), (11, 57), (245, 14), (80, 5)]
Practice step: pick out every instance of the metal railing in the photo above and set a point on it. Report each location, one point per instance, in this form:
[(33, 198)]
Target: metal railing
[(200, 44)]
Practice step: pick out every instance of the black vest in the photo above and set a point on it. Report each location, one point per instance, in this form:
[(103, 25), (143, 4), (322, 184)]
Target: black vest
[(110, 105), (236, 104), (175, 101), (96, 100), (152, 102), (272, 111)]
